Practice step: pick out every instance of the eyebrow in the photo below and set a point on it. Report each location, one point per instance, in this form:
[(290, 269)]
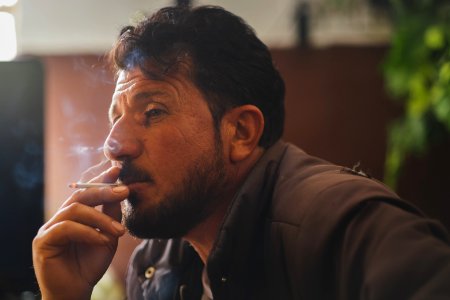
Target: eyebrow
[(141, 96)]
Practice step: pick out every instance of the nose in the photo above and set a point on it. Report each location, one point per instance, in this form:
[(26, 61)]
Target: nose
[(122, 142)]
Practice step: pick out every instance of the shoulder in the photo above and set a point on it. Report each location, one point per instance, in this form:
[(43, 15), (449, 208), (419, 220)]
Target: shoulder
[(339, 229), (309, 186)]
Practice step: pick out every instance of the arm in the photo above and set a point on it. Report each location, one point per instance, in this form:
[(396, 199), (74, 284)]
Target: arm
[(73, 250), (389, 253)]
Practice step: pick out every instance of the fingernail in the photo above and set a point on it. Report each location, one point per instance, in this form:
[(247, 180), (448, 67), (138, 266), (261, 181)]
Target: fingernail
[(119, 227), (116, 164), (119, 189)]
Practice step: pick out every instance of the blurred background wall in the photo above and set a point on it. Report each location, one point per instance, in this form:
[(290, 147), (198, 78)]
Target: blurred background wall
[(337, 106)]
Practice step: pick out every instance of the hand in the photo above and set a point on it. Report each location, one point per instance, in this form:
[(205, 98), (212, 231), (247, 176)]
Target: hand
[(73, 250)]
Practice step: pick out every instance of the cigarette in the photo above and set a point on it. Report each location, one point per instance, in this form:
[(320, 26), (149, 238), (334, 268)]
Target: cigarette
[(84, 185)]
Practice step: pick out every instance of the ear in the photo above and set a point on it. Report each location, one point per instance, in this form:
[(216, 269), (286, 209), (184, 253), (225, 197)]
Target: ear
[(244, 126)]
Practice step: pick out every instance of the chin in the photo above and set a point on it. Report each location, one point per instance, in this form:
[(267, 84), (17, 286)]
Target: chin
[(151, 230), (156, 221)]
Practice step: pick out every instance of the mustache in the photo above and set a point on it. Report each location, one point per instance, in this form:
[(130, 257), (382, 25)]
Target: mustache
[(131, 173)]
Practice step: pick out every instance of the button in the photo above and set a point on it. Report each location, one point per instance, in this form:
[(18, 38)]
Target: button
[(223, 279), (150, 272)]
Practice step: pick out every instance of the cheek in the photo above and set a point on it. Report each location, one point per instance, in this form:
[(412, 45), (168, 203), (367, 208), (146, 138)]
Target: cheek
[(178, 144)]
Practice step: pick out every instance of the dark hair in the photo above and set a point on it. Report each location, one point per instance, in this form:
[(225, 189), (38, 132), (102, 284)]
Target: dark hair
[(227, 62)]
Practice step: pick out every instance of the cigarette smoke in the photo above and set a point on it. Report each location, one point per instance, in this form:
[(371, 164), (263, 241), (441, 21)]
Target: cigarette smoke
[(94, 73), (81, 134), (29, 167), (77, 138), (23, 155), (80, 150)]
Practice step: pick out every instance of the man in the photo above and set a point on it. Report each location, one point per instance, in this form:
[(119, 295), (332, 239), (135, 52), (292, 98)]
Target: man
[(227, 209)]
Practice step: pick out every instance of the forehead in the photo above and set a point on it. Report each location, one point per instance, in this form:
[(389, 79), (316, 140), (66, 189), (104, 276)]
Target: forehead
[(130, 80), (176, 89), (127, 80)]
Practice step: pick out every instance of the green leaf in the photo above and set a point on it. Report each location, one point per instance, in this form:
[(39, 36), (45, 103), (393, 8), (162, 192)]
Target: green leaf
[(444, 73), (442, 111), (417, 72), (435, 37)]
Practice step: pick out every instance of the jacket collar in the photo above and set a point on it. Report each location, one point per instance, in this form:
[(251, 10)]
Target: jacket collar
[(239, 244)]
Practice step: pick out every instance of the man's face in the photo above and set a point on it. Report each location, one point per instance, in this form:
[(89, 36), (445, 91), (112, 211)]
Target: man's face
[(163, 135)]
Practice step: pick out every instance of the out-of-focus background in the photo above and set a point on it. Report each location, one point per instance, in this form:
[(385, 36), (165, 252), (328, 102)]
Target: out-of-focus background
[(367, 86)]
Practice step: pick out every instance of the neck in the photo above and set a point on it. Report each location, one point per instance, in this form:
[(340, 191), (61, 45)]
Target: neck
[(203, 236)]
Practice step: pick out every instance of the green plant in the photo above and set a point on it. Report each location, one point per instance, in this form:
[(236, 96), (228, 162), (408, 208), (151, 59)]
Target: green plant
[(417, 73)]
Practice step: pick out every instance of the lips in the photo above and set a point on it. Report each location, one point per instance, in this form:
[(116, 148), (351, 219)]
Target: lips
[(136, 182), (135, 185), (131, 175)]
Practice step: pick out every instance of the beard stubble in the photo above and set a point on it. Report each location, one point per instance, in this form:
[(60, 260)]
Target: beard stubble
[(190, 203)]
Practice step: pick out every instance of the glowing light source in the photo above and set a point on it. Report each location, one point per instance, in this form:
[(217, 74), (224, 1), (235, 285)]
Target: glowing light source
[(8, 42), (8, 2)]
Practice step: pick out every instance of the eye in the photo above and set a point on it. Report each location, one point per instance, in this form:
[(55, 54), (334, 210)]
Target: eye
[(154, 112), (152, 115)]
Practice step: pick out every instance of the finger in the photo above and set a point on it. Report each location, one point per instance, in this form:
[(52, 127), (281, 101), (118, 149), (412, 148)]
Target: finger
[(108, 176), (66, 232), (88, 216), (98, 196), (95, 170)]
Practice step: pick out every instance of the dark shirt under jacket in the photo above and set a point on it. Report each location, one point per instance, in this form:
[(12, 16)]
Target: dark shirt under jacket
[(302, 228)]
